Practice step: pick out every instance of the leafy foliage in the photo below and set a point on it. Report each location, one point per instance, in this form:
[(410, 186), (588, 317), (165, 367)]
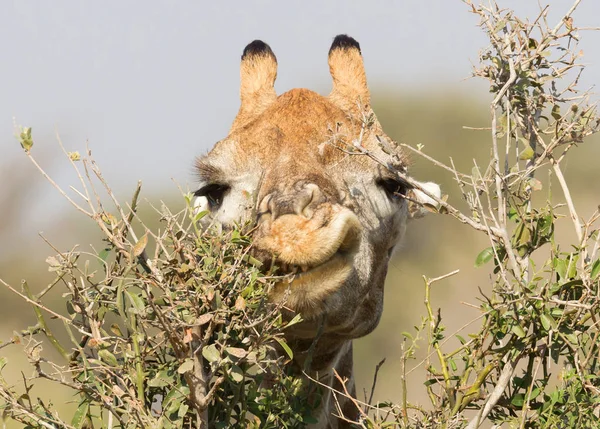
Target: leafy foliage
[(533, 362), (187, 337)]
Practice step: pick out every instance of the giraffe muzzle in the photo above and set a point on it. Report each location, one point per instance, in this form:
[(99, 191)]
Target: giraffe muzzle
[(310, 238), (318, 253), (299, 243)]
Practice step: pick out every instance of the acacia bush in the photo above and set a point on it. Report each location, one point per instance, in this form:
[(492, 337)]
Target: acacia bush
[(152, 341), (173, 328), (534, 360)]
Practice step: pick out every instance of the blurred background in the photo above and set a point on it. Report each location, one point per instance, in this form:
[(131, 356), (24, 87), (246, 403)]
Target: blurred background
[(149, 86)]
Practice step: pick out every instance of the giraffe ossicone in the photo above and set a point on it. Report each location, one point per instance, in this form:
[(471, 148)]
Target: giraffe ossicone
[(323, 210)]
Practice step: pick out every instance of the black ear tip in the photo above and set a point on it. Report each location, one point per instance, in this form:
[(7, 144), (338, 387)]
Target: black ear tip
[(343, 41), (257, 47)]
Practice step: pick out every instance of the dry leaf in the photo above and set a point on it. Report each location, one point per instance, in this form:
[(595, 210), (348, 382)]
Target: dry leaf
[(189, 336), (140, 245)]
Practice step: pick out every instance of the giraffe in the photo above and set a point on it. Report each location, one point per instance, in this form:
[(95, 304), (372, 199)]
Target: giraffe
[(328, 215)]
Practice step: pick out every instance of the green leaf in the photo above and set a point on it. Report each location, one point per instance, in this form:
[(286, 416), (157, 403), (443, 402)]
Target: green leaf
[(200, 215), (595, 269), (25, 139), (556, 112), (535, 393), (518, 400), (526, 153), (568, 286), (452, 364), (253, 261), (74, 156), (518, 331), (548, 322), (107, 357), (79, 418), (236, 373), (560, 265), (183, 409), (572, 337), (211, 353), (236, 352), (556, 395), (310, 420), (3, 362), (161, 379), (285, 347), (532, 43), (186, 366), (171, 406), (71, 309), (573, 266), (484, 256), (136, 301), (297, 319), (499, 26), (104, 254)]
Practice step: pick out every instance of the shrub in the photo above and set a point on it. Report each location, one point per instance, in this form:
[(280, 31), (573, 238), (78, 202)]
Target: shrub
[(153, 341), (187, 337)]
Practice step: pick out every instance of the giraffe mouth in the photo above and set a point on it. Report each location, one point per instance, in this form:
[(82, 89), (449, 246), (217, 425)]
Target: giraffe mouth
[(306, 292), (345, 253), (310, 280)]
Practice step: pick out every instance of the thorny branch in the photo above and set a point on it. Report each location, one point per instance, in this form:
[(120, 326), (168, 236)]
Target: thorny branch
[(201, 356), (190, 326), (533, 70)]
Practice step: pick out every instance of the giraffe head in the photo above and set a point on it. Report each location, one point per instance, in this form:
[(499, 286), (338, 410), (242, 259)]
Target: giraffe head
[(292, 164)]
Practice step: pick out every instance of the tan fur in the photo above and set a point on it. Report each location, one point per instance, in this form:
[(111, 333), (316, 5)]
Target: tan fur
[(257, 77), (319, 211), (349, 79), (304, 241)]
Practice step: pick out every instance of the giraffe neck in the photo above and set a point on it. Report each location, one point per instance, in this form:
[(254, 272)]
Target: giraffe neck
[(330, 355)]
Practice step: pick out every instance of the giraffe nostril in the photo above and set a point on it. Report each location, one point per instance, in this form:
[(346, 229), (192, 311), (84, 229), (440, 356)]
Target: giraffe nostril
[(307, 200), (264, 207), (273, 207), (302, 201)]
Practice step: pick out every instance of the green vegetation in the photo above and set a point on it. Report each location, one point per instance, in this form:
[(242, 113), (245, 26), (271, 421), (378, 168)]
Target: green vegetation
[(534, 360), (185, 337), (152, 342)]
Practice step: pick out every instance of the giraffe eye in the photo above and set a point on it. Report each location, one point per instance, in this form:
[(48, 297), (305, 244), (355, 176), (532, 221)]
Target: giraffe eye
[(214, 193), (394, 188)]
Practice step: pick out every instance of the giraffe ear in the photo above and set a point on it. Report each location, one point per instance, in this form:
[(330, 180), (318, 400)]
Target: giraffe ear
[(258, 72), (422, 201), (346, 66)]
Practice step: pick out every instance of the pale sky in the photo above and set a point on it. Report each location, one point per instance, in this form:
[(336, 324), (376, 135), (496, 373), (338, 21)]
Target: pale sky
[(152, 84)]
